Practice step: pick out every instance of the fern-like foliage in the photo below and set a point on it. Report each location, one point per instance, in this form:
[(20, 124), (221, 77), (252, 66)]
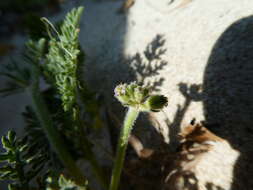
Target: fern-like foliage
[(59, 67), (37, 140), (23, 165), (149, 63), (19, 74), (62, 58), (62, 121), (19, 164)]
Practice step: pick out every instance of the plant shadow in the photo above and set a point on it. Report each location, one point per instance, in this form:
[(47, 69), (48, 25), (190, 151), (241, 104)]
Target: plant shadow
[(148, 64), (191, 93)]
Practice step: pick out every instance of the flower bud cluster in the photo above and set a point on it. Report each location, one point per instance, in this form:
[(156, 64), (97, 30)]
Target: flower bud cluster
[(138, 97)]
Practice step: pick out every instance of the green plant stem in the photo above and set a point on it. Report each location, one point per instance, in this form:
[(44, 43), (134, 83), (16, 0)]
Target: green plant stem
[(130, 118), (20, 170), (89, 154), (51, 132)]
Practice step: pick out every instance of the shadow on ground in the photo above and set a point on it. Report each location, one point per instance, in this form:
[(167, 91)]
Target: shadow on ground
[(191, 94), (228, 95)]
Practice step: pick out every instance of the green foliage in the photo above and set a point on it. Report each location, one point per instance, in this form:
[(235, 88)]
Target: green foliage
[(63, 183), (19, 74), (37, 140), (20, 165), (23, 163), (62, 58), (61, 120), (18, 78), (50, 125), (62, 62)]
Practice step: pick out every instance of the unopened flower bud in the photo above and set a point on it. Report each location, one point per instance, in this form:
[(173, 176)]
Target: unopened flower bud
[(156, 102)]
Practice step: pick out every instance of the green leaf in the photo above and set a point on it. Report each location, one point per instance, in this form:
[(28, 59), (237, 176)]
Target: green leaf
[(13, 176), (24, 148), (16, 167), (6, 175), (61, 60), (6, 169), (6, 143), (19, 73), (11, 136)]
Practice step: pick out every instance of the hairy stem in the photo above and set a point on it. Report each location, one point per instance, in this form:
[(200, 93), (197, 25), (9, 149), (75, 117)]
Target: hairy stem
[(51, 132), (130, 118)]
